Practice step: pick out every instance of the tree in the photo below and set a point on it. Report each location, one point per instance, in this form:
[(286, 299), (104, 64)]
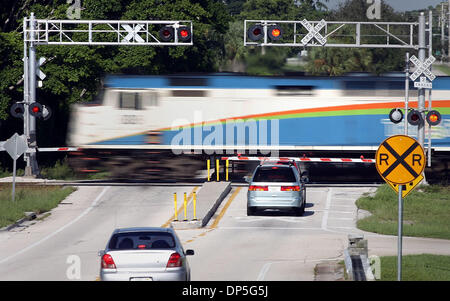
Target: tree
[(339, 61)]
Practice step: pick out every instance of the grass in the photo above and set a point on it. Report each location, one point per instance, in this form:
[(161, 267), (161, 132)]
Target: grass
[(426, 212), (29, 199), (443, 68), (423, 267), (60, 171)]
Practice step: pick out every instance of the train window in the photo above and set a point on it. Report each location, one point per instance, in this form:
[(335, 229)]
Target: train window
[(188, 81), (188, 93), (129, 101), (294, 90)]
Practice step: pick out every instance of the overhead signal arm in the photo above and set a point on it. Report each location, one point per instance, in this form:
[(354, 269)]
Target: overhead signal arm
[(333, 34)]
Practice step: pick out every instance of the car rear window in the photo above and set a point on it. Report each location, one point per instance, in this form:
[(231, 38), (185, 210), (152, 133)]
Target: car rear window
[(274, 174), (141, 240)]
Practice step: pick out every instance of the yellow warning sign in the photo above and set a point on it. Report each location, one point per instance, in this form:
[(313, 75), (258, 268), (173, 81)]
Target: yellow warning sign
[(400, 159), (408, 187)]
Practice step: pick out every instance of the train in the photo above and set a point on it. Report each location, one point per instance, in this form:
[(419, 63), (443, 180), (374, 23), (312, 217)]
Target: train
[(159, 126)]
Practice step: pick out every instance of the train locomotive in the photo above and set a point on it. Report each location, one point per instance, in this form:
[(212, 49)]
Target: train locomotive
[(167, 126)]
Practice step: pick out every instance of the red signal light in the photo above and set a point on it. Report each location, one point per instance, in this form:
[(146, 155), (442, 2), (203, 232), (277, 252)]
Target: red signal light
[(17, 110), (275, 32), (433, 117), (184, 34), (166, 33), (35, 109), (255, 33), (414, 117)]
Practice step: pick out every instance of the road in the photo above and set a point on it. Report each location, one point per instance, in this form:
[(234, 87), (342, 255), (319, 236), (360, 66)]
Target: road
[(233, 246)]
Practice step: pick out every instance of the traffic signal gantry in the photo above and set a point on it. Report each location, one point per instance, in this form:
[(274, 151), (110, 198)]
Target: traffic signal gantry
[(81, 32)]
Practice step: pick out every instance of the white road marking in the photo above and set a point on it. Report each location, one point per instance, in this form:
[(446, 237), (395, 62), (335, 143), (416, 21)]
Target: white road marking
[(264, 271), (86, 211), (327, 208), (269, 228)]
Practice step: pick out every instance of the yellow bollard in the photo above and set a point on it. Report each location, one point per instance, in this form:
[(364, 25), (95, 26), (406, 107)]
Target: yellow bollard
[(195, 206), (185, 209), (217, 169), (226, 170), (175, 201), (208, 164)]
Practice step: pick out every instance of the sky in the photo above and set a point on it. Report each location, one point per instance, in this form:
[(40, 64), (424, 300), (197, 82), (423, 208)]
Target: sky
[(398, 5)]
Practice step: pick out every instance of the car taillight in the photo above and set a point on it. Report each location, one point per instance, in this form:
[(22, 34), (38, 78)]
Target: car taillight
[(174, 261), (258, 188), (108, 262), (290, 188)]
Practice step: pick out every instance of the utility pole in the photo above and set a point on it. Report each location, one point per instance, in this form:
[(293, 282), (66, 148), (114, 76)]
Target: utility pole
[(442, 23)]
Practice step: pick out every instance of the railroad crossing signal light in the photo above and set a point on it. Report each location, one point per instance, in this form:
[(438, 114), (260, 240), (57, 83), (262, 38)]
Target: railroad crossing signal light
[(396, 115), (433, 117), (17, 110), (255, 32), (414, 117), (166, 33), (35, 110), (275, 32), (39, 111), (184, 34)]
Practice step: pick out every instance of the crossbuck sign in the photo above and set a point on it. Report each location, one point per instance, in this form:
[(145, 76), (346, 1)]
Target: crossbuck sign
[(422, 68), (314, 32)]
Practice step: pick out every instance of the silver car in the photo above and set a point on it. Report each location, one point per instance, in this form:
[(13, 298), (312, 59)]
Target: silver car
[(277, 186), (144, 254)]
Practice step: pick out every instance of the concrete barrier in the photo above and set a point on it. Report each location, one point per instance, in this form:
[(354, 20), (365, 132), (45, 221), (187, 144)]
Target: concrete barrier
[(209, 198)]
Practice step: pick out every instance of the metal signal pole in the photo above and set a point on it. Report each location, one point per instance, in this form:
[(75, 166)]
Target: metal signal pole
[(421, 100)]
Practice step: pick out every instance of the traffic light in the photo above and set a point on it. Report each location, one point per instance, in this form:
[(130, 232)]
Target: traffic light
[(255, 32), (184, 34), (166, 33), (414, 117), (275, 32), (39, 111), (433, 117), (396, 115), (17, 110)]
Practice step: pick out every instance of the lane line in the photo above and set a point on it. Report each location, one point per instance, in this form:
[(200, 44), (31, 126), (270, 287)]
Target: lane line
[(86, 211), (327, 208), (224, 209), (263, 272), (189, 197)]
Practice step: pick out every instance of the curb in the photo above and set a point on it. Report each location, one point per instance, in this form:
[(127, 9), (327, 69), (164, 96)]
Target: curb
[(28, 217)]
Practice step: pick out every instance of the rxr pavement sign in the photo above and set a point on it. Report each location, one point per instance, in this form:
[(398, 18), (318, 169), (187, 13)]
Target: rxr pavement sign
[(400, 160)]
